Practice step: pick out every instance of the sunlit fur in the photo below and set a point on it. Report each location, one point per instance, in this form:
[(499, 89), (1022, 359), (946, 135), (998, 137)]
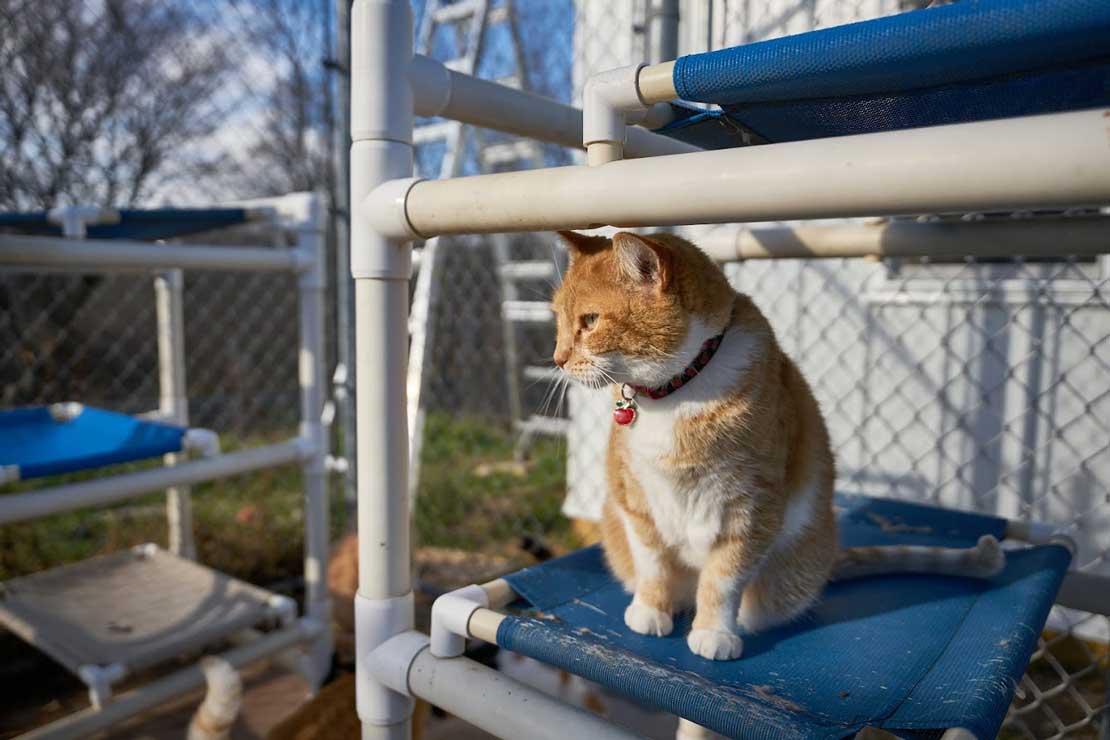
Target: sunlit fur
[(720, 494)]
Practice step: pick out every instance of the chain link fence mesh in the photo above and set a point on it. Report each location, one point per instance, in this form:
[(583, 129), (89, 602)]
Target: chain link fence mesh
[(976, 385), (92, 338), (136, 104)]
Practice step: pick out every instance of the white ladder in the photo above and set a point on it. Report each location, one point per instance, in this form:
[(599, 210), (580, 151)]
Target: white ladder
[(469, 20), (514, 312)]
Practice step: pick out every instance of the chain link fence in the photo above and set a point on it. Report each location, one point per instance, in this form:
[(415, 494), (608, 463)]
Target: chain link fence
[(128, 103), (970, 385), (978, 385), (974, 385), (136, 104)]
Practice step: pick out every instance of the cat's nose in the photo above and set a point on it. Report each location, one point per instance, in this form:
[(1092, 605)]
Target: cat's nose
[(561, 356)]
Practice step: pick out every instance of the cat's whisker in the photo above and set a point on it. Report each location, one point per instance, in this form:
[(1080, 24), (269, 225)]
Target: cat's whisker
[(555, 265), (536, 381), (663, 353), (551, 391), (561, 389), (562, 400), (606, 375)]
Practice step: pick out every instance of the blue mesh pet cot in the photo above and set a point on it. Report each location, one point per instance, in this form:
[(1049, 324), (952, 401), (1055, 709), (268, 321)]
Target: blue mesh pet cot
[(972, 60), (110, 618), (47, 440), (140, 225), (912, 654)]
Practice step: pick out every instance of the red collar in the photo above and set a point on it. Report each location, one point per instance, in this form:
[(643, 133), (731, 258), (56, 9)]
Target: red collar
[(705, 354)]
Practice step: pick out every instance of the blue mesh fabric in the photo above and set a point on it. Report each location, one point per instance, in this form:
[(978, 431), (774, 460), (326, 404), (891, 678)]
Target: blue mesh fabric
[(31, 439), (974, 60), (912, 654), (146, 225), (1050, 92)]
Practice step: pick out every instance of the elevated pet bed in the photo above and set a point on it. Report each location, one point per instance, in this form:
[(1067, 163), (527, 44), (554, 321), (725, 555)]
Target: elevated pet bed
[(912, 654), (973, 60), (119, 613), (138, 225), (38, 441)]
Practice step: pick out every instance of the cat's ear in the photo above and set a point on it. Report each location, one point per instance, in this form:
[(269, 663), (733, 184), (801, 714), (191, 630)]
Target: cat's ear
[(577, 244), (643, 261)]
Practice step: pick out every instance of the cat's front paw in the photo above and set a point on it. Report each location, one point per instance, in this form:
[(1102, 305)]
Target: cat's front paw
[(647, 620), (715, 644)]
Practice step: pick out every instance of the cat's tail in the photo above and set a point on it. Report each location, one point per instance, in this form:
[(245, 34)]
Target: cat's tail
[(984, 560), (216, 714)]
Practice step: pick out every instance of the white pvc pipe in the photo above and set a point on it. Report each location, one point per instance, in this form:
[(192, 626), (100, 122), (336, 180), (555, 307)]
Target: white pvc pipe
[(609, 99), (88, 722), (75, 218), (382, 442), (501, 705), (105, 254), (994, 165), (438, 91), (16, 507), (381, 129), (450, 614), (958, 733), (311, 375), (425, 296), (1028, 237), (655, 83), (173, 403)]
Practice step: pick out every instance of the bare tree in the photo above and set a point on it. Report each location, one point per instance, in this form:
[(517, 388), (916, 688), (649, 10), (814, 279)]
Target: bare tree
[(290, 152), (98, 98)]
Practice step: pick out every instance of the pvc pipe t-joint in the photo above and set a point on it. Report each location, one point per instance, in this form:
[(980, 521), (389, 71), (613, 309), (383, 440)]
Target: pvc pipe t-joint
[(607, 100)]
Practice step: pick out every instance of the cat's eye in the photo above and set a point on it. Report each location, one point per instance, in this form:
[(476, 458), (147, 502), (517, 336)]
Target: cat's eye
[(588, 320)]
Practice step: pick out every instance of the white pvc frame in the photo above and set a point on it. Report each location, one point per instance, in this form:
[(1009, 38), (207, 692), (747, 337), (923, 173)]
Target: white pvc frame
[(173, 401), (304, 213), (993, 165)]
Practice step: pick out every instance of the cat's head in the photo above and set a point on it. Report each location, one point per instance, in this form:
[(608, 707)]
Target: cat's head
[(626, 305)]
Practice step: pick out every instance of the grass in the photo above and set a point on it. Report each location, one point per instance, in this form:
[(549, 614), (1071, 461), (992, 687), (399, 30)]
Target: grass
[(251, 526), (470, 497)]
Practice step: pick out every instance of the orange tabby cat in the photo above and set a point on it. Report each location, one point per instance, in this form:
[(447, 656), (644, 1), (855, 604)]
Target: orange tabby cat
[(719, 471)]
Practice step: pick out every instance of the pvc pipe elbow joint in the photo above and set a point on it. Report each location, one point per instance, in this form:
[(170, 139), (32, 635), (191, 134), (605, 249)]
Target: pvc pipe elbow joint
[(450, 617), (610, 100)]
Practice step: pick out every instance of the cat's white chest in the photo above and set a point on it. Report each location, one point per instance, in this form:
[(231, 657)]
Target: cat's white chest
[(689, 515), (688, 518)]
